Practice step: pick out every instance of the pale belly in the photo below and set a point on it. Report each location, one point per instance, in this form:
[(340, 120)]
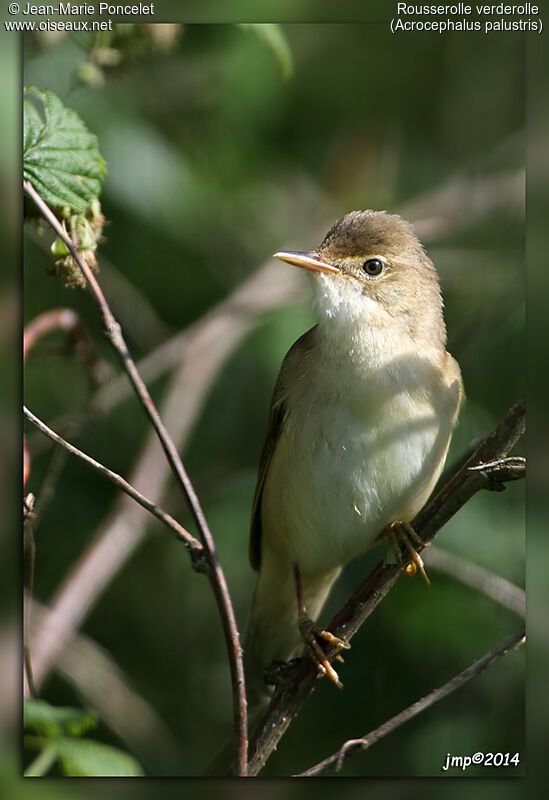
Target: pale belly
[(337, 477)]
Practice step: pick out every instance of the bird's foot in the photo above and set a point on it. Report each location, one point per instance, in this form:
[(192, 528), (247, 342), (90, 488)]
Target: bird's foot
[(311, 634), (403, 533)]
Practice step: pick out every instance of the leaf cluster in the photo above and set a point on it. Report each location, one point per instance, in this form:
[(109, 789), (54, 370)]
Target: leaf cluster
[(57, 733)]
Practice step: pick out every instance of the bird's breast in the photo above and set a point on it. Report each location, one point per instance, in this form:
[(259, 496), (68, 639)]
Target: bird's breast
[(356, 452)]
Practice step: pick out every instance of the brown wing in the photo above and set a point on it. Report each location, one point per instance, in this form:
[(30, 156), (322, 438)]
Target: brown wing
[(277, 416)]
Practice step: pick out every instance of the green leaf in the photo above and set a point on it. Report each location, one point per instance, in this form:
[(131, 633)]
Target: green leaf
[(84, 757), (32, 122), (60, 156), (274, 38), (52, 721)]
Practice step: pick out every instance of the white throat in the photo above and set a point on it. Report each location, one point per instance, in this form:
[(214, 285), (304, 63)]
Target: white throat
[(355, 325)]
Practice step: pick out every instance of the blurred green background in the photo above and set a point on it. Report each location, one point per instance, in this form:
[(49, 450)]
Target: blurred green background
[(215, 160)]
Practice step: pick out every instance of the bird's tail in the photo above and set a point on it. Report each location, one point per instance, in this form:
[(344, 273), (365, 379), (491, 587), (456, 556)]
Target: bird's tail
[(272, 633)]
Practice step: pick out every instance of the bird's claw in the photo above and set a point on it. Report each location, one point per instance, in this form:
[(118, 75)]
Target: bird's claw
[(311, 634), (405, 533)]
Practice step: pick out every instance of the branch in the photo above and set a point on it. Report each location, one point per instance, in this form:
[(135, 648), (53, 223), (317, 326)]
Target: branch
[(265, 289), (352, 746), (66, 320), (29, 551), (302, 677), (192, 545), (198, 354), (215, 573), (438, 211)]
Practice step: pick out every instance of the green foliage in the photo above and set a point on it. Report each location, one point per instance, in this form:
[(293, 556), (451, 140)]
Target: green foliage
[(62, 161), (84, 757), (86, 231), (58, 729), (60, 156), (51, 721)]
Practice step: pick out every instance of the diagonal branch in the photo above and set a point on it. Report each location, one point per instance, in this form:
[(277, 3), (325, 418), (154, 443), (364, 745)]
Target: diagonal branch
[(63, 319), (302, 677), (352, 746), (193, 546), (202, 350), (215, 573)]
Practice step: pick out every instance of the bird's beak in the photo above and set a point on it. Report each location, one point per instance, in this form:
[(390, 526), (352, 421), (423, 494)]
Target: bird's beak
[(305, 260)]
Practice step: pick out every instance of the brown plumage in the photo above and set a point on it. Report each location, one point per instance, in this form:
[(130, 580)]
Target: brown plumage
[(359, 427)]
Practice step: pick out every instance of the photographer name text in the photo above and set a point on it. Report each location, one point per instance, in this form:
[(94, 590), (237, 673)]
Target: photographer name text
[(68, 9)]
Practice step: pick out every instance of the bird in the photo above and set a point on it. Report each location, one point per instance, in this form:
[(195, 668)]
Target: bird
[(359, 428)]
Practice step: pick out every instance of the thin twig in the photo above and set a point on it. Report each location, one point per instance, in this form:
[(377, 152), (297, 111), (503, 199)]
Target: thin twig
[(26, 466), (215, 573), (195, 549), (438, 211), (229, 322), (302, 678), (352, 746), (29, 548), (206, 346), (66, 320)]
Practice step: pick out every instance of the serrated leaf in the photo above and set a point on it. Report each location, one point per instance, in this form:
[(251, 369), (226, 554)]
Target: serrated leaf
[(84, 757), (274, 38), (52, 721), (32, 122), (61, 157)]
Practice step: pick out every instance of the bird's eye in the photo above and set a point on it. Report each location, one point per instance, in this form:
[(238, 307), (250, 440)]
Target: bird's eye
[(373, 266)]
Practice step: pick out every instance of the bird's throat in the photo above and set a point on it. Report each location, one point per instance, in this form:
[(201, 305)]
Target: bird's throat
[(354, 329)]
